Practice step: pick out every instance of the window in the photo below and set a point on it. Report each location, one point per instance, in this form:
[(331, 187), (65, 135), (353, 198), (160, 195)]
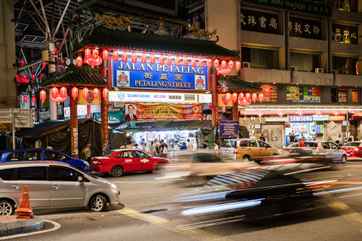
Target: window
[(126, 154), (344, 65), (8, 174), (32, 173), (263, 144), (347, 5), (140, 154), (62, 174), (261, 58), (253, 144), (244, 143), (52, 155), (304, 62)]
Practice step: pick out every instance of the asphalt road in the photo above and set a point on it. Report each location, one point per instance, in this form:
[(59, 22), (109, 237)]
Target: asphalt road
[(335, 220)]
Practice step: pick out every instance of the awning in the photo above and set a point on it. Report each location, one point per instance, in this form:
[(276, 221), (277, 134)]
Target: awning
[(165, 125), (104, 37)]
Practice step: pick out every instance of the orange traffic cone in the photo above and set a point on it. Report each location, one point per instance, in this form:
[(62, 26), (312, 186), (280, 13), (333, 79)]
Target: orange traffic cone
[(24, 211)]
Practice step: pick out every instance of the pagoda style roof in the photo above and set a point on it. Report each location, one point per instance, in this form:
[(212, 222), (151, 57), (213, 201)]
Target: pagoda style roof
[(105, 37)]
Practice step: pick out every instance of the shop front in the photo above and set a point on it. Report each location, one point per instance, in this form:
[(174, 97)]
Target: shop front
[(178, 119), (282, 123)]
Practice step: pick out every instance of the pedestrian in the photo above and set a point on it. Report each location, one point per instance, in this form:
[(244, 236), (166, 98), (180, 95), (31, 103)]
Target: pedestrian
[(301, 142), (86, 152), (262, 138), (292, 137), (189, 145)]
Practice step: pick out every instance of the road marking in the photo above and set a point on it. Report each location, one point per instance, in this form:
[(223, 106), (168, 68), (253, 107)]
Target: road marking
[(341, 206), (55, 227), (143, 216)]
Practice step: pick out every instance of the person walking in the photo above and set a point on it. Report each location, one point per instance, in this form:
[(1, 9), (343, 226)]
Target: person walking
[(86, 152)]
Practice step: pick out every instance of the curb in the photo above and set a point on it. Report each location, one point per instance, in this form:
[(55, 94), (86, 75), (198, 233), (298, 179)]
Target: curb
[(29, 230)]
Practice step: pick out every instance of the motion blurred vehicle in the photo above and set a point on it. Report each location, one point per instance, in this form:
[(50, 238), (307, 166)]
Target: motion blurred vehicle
[(249, 149), (124, 161), (53, 185), (329, 151), (202, 167), (353, 149), (43, 154), (261, 193)]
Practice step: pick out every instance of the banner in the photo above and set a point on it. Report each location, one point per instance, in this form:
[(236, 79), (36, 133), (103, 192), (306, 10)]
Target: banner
[(159, 76), (139, 111), (229, 129)]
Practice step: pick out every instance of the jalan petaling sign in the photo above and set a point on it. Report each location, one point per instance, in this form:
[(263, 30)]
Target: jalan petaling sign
[(127, 74)]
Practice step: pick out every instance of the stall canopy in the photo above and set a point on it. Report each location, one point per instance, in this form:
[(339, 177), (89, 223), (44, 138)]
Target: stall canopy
[(57, 135), (165, 125), (104, 37)]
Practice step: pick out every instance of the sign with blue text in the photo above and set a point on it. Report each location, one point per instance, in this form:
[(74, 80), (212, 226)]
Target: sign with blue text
[(127, 74)]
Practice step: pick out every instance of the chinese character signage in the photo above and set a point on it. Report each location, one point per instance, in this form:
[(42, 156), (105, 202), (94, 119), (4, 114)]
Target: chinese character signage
[(299, 27), (303, 94), (310, 6), (138, 111), (229, 129), (127, 74), (260, 22), (345, 34)]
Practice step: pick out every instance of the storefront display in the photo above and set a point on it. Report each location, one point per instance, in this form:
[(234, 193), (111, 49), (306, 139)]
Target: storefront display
[(270, 93), (355, 98), (303, 94)]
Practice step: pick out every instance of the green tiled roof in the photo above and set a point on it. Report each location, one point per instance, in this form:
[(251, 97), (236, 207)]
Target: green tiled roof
[(104, 37), (84, 75)]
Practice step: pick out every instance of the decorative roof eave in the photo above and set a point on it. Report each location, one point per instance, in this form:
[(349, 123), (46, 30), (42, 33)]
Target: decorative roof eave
[(84, 76), (106, 38), (235, 84)]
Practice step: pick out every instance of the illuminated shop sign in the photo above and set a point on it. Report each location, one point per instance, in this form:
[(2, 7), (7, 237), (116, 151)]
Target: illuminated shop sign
[(158, 75), (303, 94), (159, 97)]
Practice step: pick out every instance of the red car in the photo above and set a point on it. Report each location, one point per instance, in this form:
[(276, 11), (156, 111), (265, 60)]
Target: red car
[(353, 149), (120, 162)]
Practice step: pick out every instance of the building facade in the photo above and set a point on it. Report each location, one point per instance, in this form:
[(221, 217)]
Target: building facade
[(304, 57)]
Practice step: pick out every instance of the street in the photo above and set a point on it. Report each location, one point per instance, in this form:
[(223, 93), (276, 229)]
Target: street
[(149, 215)]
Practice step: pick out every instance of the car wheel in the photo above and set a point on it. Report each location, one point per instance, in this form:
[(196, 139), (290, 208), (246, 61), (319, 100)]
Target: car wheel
[(117, 171), (246, 158), (98, 203), (6, 207)]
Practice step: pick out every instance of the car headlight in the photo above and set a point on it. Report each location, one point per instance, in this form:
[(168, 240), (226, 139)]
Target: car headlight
[(113, 186)]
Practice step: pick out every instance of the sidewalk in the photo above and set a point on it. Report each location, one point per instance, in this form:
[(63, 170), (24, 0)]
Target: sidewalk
[(9, 225)]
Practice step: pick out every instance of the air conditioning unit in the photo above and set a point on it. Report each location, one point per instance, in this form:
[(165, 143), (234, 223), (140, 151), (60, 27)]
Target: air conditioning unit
[(319, 70), (246, 65)]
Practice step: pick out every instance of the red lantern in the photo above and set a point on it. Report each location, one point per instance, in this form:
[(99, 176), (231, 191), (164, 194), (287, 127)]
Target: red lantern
[(63, 94), (105, 94), (75, 93), (241, 98), (105, 55), (134, 58), (261, 97), (96, 93), (216, 63), (115, 55), (231, 65), (124, 57), (85, 93), (247, 96), (143, 58), (254, 97), (42, 96), (235, 97), (79, 61), (227, 98), (237, 66), (209, 63), (54, 92), (87, 55), (223, 64)]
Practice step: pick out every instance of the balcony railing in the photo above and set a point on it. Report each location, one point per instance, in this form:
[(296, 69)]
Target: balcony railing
[(259, 75)]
